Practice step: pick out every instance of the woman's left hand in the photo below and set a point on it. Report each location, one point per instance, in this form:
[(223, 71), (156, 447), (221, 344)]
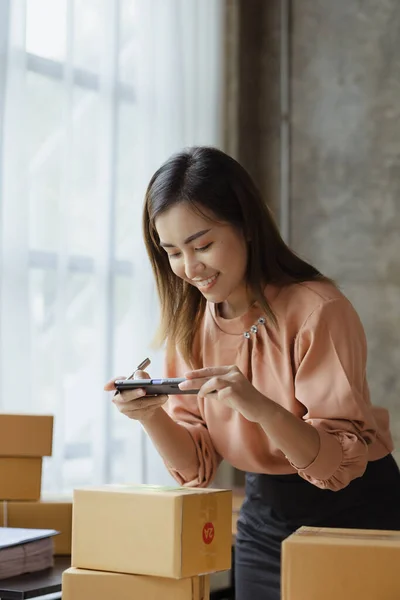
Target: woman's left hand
[(229, 386)]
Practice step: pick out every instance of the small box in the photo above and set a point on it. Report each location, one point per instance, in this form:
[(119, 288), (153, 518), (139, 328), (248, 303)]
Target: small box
[(20, 478), (152, 530), (80, 584), (26, 435), (341, 563), (48, 513)]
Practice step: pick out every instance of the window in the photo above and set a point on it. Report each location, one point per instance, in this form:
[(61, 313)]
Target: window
[(97, 95), (68, 98)]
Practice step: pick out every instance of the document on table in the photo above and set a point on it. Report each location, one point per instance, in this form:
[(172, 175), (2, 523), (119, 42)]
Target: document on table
[(14, 536), (25, 550)]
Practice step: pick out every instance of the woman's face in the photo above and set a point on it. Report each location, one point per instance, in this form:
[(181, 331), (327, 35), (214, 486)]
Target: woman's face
[(208, 254)]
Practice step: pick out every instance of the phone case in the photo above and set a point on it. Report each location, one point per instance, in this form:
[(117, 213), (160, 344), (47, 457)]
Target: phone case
[(153, 387)]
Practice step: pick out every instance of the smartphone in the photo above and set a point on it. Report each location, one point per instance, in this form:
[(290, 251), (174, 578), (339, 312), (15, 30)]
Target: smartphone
[(154, 387)]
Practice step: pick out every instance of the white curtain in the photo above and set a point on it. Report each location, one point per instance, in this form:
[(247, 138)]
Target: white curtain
[(94, 95)]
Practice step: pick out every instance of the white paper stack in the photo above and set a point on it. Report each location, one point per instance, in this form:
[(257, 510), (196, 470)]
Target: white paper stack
[(25, 550)]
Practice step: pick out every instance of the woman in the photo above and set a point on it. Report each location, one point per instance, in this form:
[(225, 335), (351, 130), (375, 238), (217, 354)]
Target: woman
[(279, 356)]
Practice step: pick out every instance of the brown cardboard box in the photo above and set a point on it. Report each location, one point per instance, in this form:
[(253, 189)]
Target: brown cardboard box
[(152, 530), (78, 584), (20, 478), (45, 514), (26, 435), (341, 563)]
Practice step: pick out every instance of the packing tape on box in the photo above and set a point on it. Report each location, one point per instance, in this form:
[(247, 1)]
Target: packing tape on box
[(209, 514), (128, 487), (202, 588), (5, 513), (199, 588), (355, 535)]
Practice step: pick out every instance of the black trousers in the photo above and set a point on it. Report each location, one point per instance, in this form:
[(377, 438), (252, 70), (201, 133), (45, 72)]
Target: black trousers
[(276, 505)]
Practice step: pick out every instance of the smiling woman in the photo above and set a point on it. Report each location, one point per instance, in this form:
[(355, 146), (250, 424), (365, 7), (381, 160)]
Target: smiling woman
[(280, 362), (204, 190), (204, 259)]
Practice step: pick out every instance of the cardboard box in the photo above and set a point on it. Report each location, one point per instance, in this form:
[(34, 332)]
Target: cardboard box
[(26, 435), (78, 584), (44, 514), (152, 530), (341, 563), (20, 478)]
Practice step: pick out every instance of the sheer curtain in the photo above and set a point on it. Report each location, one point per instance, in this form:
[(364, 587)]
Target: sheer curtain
[(94, 95)]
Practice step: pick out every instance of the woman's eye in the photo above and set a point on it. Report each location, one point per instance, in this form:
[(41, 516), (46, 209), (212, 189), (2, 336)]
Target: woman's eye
[(204, 248), (201, 249)]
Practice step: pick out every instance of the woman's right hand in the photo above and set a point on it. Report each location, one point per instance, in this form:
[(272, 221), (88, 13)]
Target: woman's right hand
[(134, 403)]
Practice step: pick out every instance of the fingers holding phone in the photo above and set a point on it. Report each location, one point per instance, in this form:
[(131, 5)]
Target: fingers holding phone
[(136, 404), (138, 374), (137, 407), (110, 385)]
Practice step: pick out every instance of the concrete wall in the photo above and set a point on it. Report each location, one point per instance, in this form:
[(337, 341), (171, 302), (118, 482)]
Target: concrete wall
[(344, 152), (345, 186)]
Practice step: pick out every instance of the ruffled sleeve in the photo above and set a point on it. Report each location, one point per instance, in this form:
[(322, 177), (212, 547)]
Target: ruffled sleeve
[(330, 381), (184, 409)]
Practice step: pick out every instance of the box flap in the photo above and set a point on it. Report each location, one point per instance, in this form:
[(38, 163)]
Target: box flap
[(160, 490), (338, 536)]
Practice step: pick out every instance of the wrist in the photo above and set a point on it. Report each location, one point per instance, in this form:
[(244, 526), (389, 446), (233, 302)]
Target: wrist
[(151, 417), (269, 413)]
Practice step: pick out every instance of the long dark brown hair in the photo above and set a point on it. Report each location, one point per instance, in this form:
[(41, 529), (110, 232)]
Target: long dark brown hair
[(207, 178)]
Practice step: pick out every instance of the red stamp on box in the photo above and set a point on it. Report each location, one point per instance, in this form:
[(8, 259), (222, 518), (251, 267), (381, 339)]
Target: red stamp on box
[(208, 533)]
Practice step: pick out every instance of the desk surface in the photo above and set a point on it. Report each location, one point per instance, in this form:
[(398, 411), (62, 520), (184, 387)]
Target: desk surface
[(32, 585)]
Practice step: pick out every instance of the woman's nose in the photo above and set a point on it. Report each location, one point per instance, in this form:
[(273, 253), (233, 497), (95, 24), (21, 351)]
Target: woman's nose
[(193, 268)]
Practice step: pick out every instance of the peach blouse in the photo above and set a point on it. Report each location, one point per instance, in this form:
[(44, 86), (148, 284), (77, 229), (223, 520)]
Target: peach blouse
[(314, 365)]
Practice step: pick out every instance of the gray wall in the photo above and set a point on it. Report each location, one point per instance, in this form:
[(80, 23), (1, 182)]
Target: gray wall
[(344, 152), (345, 186)]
